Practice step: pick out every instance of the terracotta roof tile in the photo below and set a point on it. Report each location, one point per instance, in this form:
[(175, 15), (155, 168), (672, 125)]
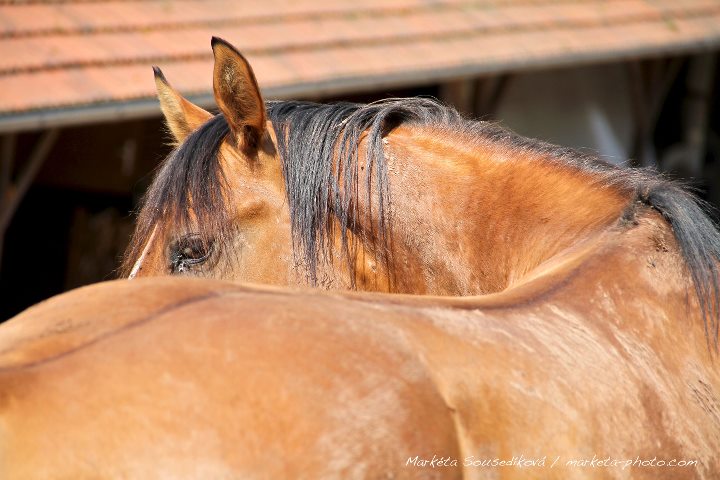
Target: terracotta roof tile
[(67, 54)]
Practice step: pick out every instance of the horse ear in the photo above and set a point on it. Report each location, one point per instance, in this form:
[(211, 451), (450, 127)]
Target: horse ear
[(237, 93), (182, 116)]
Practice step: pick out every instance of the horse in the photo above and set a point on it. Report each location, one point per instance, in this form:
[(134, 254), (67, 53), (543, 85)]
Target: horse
[(402, 196), (580, 340), (591, 369)]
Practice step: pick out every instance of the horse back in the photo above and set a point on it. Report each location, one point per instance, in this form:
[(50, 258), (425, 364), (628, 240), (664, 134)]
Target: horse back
[(200, 379)]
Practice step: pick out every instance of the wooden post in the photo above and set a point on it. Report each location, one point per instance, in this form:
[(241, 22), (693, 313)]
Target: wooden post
[(699, 81), (460, 94), (490, 92), (687, 156), (650, 82)]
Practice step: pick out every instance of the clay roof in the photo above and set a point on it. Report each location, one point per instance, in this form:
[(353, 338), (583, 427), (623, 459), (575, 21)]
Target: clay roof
[(64, 62)]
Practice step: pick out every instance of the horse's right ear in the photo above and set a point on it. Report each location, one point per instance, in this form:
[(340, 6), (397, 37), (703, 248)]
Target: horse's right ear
[(237, 93), (183, 117)]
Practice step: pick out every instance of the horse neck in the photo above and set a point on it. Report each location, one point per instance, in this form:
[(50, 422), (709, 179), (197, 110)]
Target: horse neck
[(476, 215)]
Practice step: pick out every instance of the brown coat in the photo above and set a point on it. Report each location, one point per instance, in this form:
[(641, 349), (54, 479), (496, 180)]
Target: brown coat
[(597, 354)]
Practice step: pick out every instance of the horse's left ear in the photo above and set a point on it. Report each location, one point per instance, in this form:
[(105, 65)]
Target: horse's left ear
[(183, 117), (237, 93)]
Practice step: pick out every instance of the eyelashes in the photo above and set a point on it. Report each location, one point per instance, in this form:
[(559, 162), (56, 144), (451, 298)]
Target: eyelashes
[(188, 252)]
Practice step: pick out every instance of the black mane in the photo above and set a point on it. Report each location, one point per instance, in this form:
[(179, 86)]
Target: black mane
[(310, 136), (322, 191)]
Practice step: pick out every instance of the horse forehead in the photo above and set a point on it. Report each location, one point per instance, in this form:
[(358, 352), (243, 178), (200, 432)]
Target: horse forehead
[(259, 174), (236, 165)]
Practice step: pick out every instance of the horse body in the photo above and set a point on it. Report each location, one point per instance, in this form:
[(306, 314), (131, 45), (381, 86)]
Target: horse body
[(200, 379), (580, 336)]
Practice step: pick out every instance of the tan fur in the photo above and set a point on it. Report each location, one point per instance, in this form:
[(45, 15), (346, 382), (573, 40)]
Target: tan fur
[(236, 91), (597, 354), (496, 214), (182, 116)]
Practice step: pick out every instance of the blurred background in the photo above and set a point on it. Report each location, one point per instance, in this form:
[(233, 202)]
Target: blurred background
[(81, 133)]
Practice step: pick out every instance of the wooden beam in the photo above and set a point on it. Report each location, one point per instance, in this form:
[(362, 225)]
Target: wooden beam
[(17, 191), (7, 153)]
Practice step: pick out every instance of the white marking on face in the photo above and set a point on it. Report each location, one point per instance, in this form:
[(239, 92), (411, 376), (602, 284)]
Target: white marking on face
[(138, 264)]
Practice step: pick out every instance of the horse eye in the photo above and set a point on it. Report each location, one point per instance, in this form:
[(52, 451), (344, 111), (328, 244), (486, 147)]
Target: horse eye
[(188, 251)]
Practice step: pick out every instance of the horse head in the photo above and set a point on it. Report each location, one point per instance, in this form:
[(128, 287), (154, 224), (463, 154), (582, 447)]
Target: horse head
[(219, 206)]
